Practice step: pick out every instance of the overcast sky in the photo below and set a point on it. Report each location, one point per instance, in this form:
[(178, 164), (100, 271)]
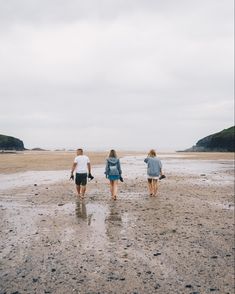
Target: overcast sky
[(124, 74)]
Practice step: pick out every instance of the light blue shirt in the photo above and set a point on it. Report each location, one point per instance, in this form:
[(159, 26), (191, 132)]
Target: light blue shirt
[(154, 166)]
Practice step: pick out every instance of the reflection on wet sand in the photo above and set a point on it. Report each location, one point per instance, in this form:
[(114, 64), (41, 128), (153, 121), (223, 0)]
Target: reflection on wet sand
[(114, 223), (94, 213), (81, 211), (107, 221)]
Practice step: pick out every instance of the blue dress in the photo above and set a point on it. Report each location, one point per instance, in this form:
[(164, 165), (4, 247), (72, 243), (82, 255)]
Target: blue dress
[(113, 177)]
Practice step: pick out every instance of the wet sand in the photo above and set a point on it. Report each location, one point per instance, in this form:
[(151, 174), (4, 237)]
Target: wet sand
[(178, 242)]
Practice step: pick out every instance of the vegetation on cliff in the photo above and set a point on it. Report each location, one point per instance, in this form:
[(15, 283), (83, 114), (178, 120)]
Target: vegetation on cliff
[(223, 141), (11, 143)]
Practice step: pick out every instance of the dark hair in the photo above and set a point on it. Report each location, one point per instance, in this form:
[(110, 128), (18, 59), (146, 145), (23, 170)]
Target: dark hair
[(80, 149), (112, 153)]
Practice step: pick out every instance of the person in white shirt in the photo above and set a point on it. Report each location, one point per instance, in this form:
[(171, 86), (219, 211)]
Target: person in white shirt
[(82, 167)]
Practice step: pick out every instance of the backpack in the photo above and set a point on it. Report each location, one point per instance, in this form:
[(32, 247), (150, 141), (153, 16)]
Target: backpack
[(113, 169)]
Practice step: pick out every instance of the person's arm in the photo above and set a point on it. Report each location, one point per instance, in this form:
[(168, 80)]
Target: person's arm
[(107, 168), (160, 164), (146, 160), (90, 177), (72, 170), (119, 170), (89, 167), (73, 167), (119, 167)]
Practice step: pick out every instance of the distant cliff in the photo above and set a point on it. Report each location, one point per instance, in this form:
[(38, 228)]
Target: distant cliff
[(223, 141), (11, 143)]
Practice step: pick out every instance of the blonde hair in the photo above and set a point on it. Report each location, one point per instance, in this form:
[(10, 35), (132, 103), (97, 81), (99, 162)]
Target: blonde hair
[(112, 153), (152, 153)]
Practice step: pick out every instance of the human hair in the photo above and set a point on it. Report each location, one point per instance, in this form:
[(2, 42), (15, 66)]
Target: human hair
[(81, 150), (152, 153), (112, 153)]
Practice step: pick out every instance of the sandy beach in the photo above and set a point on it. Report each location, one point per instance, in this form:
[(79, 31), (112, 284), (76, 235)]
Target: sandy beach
[(178, 242)]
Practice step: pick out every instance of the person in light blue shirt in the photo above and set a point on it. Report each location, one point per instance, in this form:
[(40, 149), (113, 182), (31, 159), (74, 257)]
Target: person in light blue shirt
[(154, 171)]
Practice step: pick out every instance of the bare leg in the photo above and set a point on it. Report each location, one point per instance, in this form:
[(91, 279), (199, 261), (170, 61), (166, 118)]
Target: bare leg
[(78, 187), (83, 191), (115, 188), (155, 187), (112, 188), (150, 187)]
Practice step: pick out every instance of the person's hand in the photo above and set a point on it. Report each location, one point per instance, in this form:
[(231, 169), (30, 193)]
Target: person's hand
[(90, 177), (72, 177), (121, 179)]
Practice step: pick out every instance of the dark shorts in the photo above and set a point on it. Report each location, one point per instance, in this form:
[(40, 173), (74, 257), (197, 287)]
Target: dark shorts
[(81, 179)]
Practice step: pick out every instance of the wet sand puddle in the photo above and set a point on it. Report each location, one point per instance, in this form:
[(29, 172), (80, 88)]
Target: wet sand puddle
[(91, 214), (208, 171), (23, 179), (105, 220)]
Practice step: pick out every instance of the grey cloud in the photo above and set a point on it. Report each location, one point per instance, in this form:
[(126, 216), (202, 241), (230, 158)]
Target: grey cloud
[(58, 11), (124, 73)]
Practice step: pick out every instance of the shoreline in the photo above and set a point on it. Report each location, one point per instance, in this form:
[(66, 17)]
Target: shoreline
[(59, 160), (186, 166)]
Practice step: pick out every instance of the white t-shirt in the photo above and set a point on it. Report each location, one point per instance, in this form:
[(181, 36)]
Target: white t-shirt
[(82, 161)]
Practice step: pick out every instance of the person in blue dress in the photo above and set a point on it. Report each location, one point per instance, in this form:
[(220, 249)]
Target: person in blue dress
[(113, 172)]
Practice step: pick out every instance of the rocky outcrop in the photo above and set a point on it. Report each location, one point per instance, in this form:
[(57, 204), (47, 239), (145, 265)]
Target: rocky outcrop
[(11, 143), (223, 141)]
